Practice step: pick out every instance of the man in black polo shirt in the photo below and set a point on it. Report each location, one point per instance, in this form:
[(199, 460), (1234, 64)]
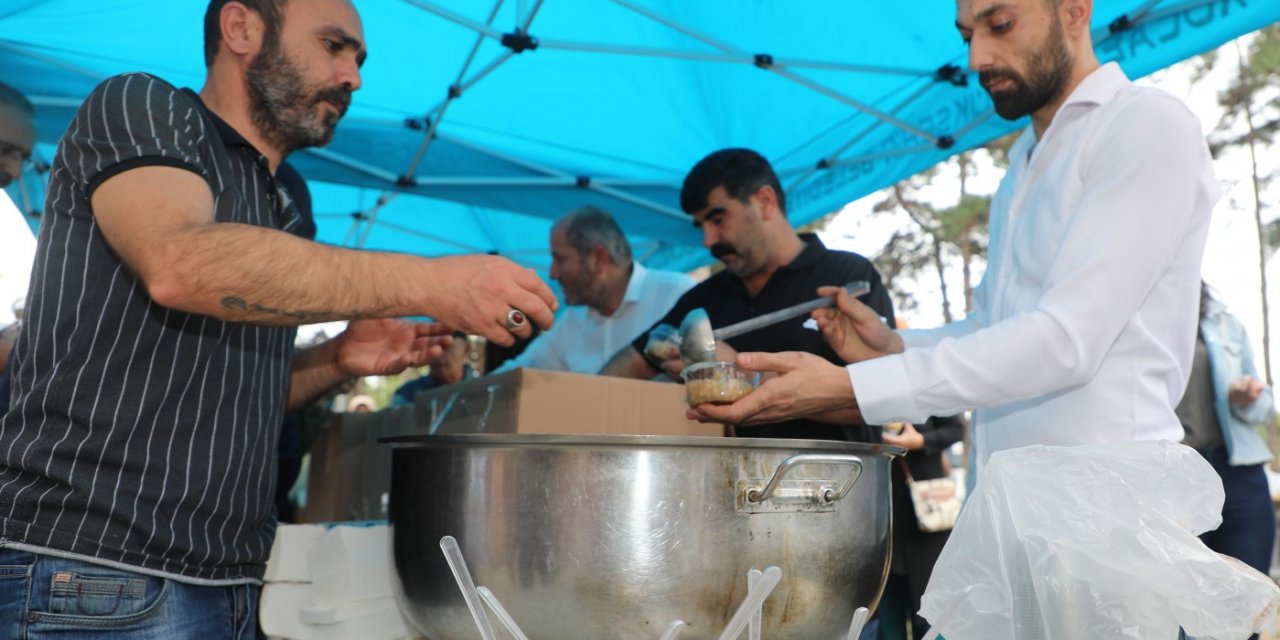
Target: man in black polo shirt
[(156, 364), (736, 199)]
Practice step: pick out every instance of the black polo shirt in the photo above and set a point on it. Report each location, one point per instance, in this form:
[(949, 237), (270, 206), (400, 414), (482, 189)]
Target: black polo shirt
[(141, 435), (727, 301)]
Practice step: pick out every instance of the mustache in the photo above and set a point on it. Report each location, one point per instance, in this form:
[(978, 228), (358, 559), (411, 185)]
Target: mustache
[(721, 249), (339, 96), (986, 78)]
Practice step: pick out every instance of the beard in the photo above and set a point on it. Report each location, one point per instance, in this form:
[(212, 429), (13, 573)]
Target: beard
[(284, 108), (578, 290), (1047, 72), (573, 294)]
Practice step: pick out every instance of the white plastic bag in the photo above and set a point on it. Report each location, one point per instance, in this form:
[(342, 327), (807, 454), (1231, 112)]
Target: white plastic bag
[(1094, 542)]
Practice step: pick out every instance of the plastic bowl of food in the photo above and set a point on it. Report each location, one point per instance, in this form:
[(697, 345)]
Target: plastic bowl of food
[(716, 383)]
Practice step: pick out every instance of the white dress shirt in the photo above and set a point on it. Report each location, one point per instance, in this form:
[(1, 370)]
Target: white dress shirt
[(1084, 325), (582, 340)]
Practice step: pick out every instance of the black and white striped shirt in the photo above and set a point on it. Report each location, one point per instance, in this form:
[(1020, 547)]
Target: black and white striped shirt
[(140, 435)]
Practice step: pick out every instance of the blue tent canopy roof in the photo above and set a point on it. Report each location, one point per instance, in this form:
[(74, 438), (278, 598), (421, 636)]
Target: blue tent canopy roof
[(618, 99)]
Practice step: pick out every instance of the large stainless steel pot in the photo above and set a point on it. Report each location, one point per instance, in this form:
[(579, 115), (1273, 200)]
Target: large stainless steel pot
[(617, 536)]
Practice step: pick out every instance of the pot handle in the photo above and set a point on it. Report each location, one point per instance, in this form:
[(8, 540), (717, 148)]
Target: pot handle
[(828, 495)]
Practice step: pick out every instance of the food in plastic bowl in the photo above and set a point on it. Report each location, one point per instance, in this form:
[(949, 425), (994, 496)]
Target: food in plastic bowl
[(716, 382)]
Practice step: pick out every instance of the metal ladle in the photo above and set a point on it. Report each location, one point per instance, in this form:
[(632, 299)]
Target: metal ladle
[(698, 339)]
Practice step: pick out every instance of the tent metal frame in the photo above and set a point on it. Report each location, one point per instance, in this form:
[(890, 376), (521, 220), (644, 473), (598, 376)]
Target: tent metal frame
[(520, 40)]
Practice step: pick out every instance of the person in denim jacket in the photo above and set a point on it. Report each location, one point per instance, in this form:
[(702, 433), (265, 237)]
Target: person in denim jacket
[(1223, 403)]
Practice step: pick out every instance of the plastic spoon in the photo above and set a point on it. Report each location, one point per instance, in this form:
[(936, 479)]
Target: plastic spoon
[(498, 610), (673, 630), (753, 601), (859, 620), (753, 583), (453, 555)]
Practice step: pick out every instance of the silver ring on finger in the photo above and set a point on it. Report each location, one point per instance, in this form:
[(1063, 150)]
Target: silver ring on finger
[(515, 320)]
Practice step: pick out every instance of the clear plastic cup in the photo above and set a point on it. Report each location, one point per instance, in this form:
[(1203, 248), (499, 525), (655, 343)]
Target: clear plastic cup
[(716, 383)]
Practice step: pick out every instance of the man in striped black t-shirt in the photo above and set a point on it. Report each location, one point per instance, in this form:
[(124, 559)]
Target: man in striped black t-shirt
[(156, 363)]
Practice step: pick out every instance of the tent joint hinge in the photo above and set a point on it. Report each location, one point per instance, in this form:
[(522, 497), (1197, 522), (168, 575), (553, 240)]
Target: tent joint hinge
[(518, 41), (953, 74), (763, 60), (1123, 23)]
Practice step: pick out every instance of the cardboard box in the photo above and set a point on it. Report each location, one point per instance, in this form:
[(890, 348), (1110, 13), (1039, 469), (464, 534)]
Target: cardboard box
[(350, 471), (535, 401)]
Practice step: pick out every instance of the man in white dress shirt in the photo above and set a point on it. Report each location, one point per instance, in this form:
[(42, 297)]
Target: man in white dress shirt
[(1083, 327), (610, 298)]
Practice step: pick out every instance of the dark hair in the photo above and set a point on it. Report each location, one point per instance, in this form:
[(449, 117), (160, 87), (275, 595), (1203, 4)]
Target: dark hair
[(590, 227), (740, 171), (14, 98), (272, 18)]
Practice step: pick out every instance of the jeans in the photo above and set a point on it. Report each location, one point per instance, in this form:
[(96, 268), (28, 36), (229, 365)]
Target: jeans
[(45, 597), (1248, 531)]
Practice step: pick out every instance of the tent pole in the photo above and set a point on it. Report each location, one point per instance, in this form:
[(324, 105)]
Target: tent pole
[(835, 155), (772, 66), (975, 123), (454, 92), (1141, 12), (483, 29), (351, 163), (621, 195), (640, 202), (384, 199), (881, 155), (528, 20), (730, 57), (475, 47), (875, 113), (496, 181), (1147, 14)]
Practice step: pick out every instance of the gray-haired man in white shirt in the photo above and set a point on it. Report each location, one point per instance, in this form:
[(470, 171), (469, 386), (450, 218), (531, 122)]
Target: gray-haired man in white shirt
[(1083, 327), (610, 298)]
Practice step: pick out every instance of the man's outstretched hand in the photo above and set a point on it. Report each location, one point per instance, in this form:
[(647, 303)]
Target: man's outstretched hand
[(804, 386), (854, 330)]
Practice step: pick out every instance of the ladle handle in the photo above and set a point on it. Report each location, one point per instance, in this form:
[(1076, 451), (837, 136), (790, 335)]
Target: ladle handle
[(855, 288)]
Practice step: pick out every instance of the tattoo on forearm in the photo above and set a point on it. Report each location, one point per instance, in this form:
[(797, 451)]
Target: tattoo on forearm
[(240, 304)]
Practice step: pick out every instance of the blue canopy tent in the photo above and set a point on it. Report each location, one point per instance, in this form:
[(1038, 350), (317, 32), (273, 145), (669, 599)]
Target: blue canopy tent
[(481, 121)]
